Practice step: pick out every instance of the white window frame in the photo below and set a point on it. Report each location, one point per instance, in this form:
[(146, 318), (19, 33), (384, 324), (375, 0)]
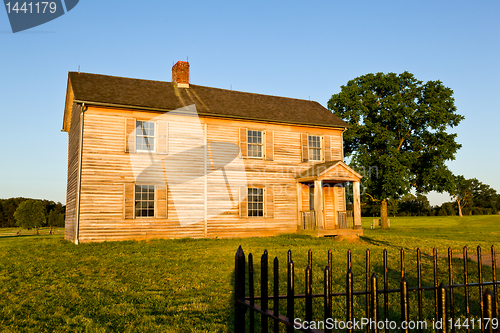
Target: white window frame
[(311, 149), (251, 203), (140, 135), (252, 144), (146, 200)]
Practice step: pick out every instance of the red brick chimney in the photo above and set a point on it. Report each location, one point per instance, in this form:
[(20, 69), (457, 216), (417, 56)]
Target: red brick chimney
[(180, 74)]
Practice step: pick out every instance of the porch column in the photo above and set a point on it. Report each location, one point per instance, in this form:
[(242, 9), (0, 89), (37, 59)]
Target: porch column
[(357, 205), (318, 203), (299, 206)]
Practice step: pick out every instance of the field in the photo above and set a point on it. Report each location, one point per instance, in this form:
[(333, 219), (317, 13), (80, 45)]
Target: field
[(50, 285)]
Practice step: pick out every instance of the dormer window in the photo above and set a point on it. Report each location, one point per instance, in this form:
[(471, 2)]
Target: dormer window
[(145, 136)]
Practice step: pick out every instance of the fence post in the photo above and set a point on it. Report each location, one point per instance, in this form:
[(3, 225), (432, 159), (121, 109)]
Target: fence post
[(367, 283), (386, 287), (264, 303), (480, 278), (419, 277), (487, 315), (450, 277), (330, 265), (495, 287), (466, 288), (349, 259), (251, 292), (239, 291), (328, 295), (276, 293), (441, 300), (308, 285), (290, 296), (349, 298), (404, 302), (310, 258), (374, 299), (402, 252), (434, 262)]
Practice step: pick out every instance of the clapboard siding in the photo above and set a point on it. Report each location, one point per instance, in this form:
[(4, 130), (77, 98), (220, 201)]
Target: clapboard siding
[(336, 146), (73, 168), (195, 205)]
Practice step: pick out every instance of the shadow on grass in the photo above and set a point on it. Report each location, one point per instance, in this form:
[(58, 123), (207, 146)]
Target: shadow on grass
[(375, 242), (22, 236)]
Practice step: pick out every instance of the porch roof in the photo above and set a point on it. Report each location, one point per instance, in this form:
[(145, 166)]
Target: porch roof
[(332, 170)]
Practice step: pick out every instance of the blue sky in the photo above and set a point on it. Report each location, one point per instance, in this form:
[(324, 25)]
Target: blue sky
[(295, 49)]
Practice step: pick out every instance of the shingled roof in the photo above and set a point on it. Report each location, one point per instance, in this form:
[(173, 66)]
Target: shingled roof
[(158, 95)]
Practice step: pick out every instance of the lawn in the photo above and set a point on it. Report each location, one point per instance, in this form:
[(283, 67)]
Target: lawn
[(50, 285)]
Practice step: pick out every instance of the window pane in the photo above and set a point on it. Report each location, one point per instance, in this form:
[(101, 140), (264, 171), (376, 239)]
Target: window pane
[(255, 202)]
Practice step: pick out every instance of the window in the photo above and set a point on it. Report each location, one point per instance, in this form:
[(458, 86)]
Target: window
[(144, 200), (145, 136), (254, 143), (255, 202), (314, 148)]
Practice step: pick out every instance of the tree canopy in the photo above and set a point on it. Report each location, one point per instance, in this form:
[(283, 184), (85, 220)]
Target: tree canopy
[(398, 128), (30, 214), (474, 197), (9, 206)]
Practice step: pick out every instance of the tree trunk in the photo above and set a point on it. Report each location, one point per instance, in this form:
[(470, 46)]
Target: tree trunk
[(383, 215), (459, 208)]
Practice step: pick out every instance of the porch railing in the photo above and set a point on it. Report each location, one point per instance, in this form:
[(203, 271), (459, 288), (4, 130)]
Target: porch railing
[(346, 219), (308, 219)]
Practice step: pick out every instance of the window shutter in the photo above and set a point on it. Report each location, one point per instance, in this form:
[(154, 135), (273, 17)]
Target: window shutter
[(128, 200), (161, 201), (269, 202), (305, 147), (328, 148), (129, 135), (243, 143), (243, 202), (270, 145), (162, 137)]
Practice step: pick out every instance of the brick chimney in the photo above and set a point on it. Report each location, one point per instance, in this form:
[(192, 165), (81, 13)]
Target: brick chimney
[(180, 74)]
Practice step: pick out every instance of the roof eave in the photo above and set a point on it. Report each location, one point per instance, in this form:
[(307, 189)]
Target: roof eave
[(113, 105)]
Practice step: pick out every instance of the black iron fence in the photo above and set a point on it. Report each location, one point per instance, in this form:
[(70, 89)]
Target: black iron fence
[(445, 317)]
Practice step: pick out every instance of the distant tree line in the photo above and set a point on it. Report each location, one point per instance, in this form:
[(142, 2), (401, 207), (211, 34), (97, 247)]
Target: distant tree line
[(54, 212), (471, 197)]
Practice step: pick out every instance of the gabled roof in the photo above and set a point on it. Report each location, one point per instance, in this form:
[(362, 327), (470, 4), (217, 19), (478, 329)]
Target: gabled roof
[(332, 170), (166, 96)]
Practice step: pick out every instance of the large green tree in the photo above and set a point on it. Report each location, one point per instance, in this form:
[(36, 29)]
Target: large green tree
[(399, 127), (30, 214)]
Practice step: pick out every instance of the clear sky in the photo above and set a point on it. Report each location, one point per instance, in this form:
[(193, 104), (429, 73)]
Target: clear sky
[(299, 49)]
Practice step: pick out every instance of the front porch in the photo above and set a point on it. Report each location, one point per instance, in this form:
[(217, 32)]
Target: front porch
[(321, 193)]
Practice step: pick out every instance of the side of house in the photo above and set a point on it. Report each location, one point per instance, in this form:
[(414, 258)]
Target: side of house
[(142, 172)]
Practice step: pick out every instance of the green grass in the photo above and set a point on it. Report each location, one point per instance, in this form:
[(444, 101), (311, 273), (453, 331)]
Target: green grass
[(50, 285)]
